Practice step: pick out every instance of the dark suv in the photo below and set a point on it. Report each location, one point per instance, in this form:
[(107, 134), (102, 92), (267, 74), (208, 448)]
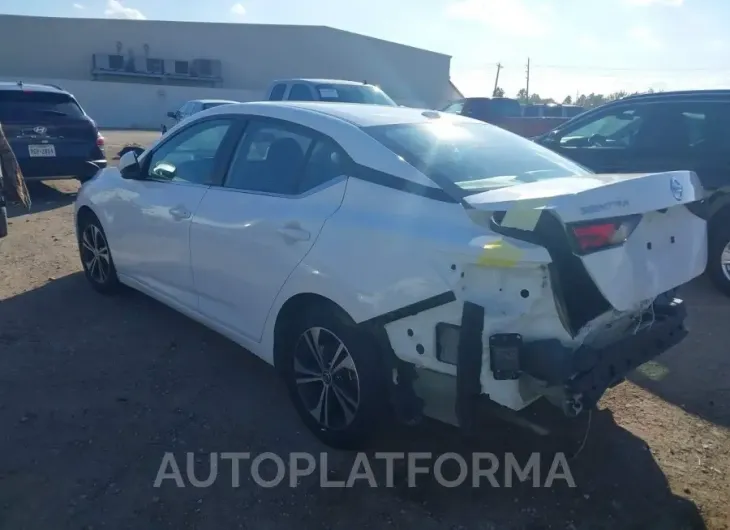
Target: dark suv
[(687, 130), (51, 135)]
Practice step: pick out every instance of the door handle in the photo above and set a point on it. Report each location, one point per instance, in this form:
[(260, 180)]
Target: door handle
[(294, 232), (179, 213)]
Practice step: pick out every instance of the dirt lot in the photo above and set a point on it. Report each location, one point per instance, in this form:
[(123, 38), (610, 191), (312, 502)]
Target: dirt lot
[(94, 390)]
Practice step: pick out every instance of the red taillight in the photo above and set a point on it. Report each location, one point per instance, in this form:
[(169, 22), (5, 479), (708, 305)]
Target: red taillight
[(605, 233), (99, 140)]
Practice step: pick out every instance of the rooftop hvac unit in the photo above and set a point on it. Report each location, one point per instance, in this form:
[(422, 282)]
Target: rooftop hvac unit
[(154, 66), (176, 68), (209, 68), (109, 62)]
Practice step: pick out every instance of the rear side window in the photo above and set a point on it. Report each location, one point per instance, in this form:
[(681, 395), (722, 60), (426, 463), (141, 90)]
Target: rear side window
[(269, 159), (23, 106), (277, 93)]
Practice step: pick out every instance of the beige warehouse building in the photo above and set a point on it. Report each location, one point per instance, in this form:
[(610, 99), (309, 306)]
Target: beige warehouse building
[(160, 64)]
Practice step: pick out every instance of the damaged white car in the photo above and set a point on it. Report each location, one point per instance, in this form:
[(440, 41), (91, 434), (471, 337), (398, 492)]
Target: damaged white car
[(394, 260)]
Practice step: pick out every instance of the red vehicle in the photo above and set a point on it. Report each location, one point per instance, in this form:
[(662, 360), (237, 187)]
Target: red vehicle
[(506, 113)]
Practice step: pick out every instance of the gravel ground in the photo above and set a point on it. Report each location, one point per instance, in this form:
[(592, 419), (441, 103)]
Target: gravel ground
[(94, 391)]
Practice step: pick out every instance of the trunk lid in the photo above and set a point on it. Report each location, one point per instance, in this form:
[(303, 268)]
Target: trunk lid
[(664, 245)]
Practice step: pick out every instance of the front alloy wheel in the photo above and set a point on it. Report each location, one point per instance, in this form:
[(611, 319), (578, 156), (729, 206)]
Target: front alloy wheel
[(96, 257)]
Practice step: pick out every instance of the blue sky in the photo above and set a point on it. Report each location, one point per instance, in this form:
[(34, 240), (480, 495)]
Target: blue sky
[(574, 45)]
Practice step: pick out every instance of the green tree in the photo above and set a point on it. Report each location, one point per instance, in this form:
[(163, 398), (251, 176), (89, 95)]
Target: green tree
[(522, 95), (568, 100), (498, 93)]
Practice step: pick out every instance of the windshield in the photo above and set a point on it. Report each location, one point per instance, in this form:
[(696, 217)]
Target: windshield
[(473, 156), (23, 106), (354, 94)]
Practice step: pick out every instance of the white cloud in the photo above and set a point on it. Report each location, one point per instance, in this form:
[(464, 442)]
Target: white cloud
[(508, 16), (670, 3), (78, 6), (115, 9), (645, 37), (238, 10)]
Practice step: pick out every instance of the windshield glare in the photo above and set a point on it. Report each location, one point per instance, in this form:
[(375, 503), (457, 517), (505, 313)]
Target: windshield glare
[(473, 156), (367, 94)]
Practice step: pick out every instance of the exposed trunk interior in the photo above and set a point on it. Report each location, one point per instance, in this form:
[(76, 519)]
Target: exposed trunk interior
[(573, 286)]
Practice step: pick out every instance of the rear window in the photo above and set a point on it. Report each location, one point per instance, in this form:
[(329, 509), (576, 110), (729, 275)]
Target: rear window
[(473, 157), (367, 94), (17, 105)]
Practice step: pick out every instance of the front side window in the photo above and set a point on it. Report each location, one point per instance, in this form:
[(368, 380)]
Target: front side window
[(354, 94), (21, 106), (614, 129), (472, 157), (269, 159), (189, 156)]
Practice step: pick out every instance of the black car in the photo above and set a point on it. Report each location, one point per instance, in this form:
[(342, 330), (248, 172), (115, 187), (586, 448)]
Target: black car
[(685, 130), (51, 135)]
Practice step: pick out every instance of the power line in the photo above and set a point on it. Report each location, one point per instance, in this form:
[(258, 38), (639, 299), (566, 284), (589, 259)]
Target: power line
[(622, 69)]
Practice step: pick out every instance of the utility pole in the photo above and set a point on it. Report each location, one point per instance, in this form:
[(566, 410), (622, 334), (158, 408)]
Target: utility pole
[(527, 90), (496, 80)]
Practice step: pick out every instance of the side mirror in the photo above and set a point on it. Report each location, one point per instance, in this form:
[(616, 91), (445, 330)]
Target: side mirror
[(172, 115), (129, 166)]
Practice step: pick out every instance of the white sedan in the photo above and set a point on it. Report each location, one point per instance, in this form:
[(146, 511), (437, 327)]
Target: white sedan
[(383, 258)]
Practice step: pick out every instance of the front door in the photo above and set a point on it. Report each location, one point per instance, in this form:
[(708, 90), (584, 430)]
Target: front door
[(154, 246)]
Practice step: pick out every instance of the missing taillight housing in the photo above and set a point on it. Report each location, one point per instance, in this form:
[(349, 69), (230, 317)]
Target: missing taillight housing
[(601, 234)]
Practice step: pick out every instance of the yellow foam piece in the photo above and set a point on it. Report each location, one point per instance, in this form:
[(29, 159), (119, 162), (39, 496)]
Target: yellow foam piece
[(499, 254), (525, 215)]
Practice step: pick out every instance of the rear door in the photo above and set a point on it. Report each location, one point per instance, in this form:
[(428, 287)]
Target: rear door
[(251, 232), (41, 125)]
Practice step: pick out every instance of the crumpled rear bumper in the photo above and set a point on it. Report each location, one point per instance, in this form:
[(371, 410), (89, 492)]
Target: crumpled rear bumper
[(584, 374)]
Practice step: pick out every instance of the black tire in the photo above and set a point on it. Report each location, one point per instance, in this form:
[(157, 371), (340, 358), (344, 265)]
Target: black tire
[(338, 383), (3, 222), (719, 239), (100, 272)]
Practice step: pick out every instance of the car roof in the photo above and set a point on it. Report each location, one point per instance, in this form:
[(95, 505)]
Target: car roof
[(358, 114), (678, 94), (214, 101), (321, 81), (31, 87)]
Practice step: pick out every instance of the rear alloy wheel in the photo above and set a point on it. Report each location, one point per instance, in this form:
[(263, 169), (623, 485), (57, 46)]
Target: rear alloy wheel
[(335, 380), (96, 257), (718, 258)]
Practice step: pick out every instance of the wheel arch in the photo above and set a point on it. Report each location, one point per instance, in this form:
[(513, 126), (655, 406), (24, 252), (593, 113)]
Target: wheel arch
[(296, 304)]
